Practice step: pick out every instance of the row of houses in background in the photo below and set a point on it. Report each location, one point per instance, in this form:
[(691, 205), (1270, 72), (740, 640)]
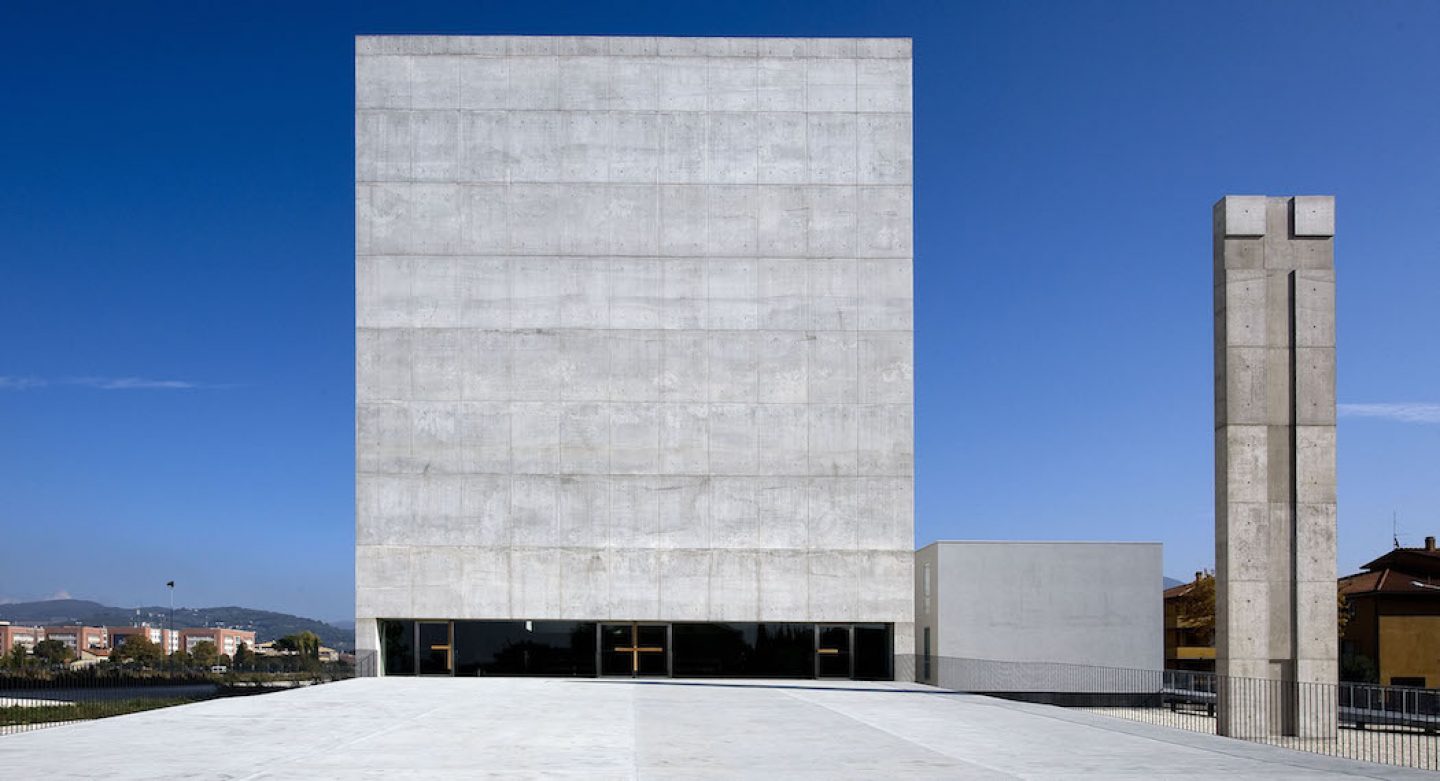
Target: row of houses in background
[(93, 643), (1394, 608), (1391, 632), (325, 654)]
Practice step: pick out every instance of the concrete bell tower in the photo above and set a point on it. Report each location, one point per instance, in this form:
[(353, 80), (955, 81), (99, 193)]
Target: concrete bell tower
[(1276, 636)]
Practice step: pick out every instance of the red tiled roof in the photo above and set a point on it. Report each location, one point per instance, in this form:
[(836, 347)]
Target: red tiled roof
[(1178, 591), (1388, 581), (1424, 561)]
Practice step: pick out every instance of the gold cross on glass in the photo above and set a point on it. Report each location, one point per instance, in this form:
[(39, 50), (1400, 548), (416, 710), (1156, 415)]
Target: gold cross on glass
[(635, 649)]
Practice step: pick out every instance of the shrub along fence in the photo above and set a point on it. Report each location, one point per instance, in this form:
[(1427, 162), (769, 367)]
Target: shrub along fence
[(46, 698), (1386, 724)]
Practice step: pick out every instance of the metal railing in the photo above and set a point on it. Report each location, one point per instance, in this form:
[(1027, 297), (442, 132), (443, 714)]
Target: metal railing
[(39, 698), (1386, 724), (367, 663)]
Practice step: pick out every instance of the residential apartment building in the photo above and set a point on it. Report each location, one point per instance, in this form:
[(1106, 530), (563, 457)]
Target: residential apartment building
[(78, 638), (12, 635), (225, 640), (165, 639)]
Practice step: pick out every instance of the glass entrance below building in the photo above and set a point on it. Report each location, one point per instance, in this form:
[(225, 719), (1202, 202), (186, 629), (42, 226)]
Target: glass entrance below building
[(434, 648), (832, 650), (637, 649)]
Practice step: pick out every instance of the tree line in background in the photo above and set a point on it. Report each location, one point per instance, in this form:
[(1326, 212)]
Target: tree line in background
[(299, 652), (1197, 612)]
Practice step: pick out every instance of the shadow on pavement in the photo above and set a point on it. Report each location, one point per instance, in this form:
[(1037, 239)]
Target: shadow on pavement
[(845, 686)]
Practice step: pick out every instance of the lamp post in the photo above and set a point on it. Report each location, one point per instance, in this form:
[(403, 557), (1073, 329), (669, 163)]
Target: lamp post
[(170, 639)]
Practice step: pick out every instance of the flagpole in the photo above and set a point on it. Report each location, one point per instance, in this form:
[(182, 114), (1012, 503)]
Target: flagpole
[(170, 640)]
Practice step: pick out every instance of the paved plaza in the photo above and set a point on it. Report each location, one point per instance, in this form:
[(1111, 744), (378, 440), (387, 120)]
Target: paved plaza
[(602, 728)]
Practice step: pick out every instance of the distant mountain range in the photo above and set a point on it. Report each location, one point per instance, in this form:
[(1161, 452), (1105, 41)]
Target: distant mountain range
[(1172, 582), (266, 624)]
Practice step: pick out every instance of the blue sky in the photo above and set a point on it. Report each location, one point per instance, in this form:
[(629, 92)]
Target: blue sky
[(176, 270)]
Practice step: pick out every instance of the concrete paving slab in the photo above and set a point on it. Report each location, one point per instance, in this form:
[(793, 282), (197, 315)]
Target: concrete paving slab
[(604, 728)]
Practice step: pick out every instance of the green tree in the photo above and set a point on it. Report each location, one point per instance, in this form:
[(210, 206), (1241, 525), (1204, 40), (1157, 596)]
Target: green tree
[(1358, 668), (53, 651), (180, 660), (243, 656), (204, 654), (1343, 610), (304, 644), (17, 659), (138, 649), (1197, 608)]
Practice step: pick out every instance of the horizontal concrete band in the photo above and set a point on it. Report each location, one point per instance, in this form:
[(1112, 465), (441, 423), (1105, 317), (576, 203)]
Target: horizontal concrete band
[(1256, 466), (674, 584), (578, 512), (817, 368), (704, 550), (538, 146), (426, 122), (438, 470), (493, 177), (631, 46), (634, 297), (581, 439), (601, 84), (1305, 216), (710, 220)]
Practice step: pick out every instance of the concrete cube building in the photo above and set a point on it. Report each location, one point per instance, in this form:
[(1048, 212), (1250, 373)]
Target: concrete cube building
[(634, 355), (1041, 620)]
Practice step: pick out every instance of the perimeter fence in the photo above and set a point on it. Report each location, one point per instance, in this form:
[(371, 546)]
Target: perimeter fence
[(37, 699), (1392, 725)]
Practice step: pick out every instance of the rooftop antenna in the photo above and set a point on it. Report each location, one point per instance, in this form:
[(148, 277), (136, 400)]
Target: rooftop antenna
[(1394, 529)]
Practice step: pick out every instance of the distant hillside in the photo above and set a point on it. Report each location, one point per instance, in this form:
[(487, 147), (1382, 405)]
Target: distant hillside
[(266, 624), (1170, 582)]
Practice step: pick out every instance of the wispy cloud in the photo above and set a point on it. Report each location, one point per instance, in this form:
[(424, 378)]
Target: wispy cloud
[(103, 383), (1405, 412), (21, 383), (61, 594), (133, 383)]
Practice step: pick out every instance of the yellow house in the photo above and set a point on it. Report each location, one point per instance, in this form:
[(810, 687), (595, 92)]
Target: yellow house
[(1189, 643), (1395, 617)]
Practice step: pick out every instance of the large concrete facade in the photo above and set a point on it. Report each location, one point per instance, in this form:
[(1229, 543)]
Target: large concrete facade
[(1014, 616), (1275, 462), (633, 330)]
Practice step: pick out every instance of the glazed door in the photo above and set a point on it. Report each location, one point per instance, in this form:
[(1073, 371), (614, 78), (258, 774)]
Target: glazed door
[(435, 655), (832, 651), (635, 649), (873, 656)]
